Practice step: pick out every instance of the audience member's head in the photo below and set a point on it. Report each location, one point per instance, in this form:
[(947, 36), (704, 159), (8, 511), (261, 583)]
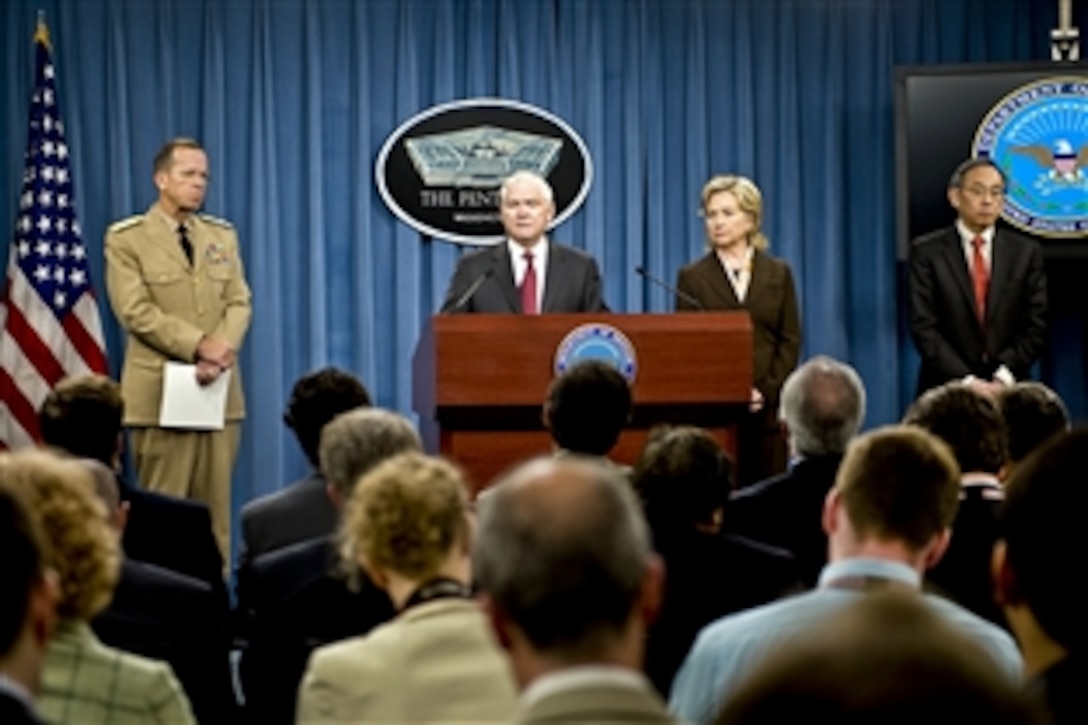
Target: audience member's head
[(587, 408), (823, 407), (684, 478), (969, 422), (82, 417), (356, 441), (1033, 415), (80, 544), (30, 593), (316, 399), (897, 488), (1042, 548), (407, 523), (563, 559), (887, 658), (107, 491)]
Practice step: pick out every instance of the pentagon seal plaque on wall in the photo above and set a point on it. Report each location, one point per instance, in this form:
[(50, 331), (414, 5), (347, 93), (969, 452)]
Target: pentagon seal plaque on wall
[(440, 171)]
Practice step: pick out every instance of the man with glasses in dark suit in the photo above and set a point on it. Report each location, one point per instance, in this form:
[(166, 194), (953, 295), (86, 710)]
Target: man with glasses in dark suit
[(977, 292)]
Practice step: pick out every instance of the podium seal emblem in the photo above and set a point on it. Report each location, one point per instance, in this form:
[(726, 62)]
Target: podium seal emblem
[(597, 341)]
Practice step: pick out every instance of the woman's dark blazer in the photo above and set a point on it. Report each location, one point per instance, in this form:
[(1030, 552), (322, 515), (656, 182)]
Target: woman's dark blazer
[(772, 304)]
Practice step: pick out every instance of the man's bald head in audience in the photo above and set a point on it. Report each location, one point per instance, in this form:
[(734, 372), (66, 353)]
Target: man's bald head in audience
[(563, 556)]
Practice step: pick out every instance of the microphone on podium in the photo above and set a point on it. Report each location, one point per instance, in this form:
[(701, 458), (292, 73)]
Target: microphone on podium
[(662, 283), (472, 289)]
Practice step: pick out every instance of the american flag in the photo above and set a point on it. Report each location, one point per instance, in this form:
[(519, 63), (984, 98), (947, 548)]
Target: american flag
[(49, 318)]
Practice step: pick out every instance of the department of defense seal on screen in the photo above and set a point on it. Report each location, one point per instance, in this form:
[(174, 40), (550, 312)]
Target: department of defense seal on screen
[(1038, 135)]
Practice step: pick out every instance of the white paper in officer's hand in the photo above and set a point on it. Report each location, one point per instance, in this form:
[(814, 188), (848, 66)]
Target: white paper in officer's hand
[(188, 404)]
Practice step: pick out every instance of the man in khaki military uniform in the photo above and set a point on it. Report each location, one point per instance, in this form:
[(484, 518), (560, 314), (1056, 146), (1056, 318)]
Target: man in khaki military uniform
[(177, 286)]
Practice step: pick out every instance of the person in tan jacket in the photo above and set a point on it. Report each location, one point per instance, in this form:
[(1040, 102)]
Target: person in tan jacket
[(408, 524), (176, 284)]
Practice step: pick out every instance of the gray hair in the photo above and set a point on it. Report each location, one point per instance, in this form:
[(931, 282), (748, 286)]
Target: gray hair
[(358, 440), (823, 405), (562, 549), (529, 177)]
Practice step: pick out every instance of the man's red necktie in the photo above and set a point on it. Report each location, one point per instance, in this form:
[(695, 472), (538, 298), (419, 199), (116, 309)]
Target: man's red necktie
[(980, 276), (528, 287)]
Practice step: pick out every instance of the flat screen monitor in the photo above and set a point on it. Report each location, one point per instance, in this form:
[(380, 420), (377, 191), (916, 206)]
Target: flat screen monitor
[(1031, 119)]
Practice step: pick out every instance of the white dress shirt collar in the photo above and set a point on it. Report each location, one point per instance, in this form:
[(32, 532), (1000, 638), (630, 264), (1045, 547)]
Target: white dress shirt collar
[(575, 678), (739, 274), (967, 238)]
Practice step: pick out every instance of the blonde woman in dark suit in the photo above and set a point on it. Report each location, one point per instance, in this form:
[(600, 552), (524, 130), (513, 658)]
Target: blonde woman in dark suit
[(738, 274)]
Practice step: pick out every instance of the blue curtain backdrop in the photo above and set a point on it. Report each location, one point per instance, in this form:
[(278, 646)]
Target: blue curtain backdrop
[(293, 100)]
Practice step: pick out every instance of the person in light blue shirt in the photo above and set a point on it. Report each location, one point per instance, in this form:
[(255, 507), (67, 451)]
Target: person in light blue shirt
[(888, 520)]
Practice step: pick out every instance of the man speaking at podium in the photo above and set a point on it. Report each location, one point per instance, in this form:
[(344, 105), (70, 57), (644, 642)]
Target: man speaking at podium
[(527, 273)]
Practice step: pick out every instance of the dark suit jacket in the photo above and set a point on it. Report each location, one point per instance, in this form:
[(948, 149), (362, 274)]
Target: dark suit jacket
[(963, 573), (173, 533), (166, 616), (943, 320), (786, 511), (772, 304), (1059, 691), (706, 577), (292, 601), (15, 712), (296, 513), (572, 282)]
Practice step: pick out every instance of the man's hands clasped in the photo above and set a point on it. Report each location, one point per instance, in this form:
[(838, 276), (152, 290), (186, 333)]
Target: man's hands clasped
[(213, 356)]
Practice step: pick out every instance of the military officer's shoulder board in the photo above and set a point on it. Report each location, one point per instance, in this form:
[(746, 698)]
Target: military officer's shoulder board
[(128, 223), (216, 221)]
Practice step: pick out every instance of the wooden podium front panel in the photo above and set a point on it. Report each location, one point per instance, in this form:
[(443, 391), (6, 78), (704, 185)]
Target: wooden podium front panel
[(480, 381), (484, 455), (683, 359)]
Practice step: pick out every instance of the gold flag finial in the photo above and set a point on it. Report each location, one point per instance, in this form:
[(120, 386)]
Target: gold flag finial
[(41, 34)]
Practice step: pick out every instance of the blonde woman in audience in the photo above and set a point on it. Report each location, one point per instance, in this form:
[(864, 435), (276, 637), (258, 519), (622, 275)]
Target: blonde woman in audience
[(408, 525), (83, 681)]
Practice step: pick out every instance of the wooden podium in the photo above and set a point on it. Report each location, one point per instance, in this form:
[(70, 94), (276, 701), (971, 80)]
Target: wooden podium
[(480, 381)]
